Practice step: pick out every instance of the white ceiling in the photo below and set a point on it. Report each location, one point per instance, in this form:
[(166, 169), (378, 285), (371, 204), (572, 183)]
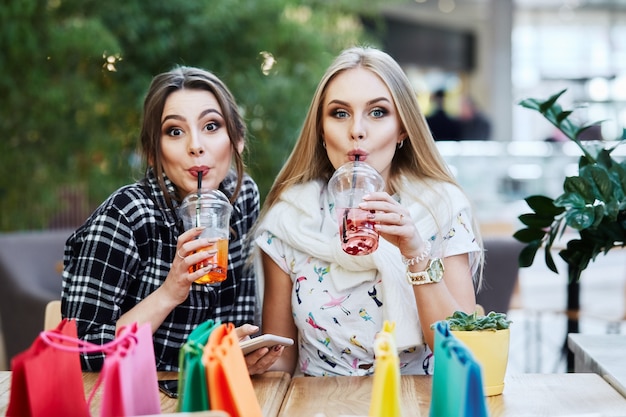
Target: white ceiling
[(555, 4), (468, 12), (530, 4)]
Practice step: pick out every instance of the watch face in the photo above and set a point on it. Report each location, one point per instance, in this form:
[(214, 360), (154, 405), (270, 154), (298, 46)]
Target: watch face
[(435, 270)]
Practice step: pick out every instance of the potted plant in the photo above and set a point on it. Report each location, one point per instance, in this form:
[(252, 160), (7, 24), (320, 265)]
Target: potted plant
[(593, 202), (487, 337)]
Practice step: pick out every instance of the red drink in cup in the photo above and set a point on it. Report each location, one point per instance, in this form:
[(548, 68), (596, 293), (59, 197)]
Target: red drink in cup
[(348, 185), (357, 233)]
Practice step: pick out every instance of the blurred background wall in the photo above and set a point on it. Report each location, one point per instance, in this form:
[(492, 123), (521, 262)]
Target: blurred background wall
[(498, 53)]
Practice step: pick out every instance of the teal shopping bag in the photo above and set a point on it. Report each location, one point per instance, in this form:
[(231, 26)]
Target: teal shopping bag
[(193, 393), (457, 379)]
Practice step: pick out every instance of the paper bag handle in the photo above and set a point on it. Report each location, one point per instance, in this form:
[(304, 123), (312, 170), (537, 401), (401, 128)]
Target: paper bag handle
[(122, 344)]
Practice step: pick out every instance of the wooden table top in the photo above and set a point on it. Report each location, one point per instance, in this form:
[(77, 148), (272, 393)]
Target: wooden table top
[(270, 389), (602, 354), (524, 395)]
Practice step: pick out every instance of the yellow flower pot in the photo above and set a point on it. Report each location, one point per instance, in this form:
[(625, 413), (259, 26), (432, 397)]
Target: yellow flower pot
[(491, 349)]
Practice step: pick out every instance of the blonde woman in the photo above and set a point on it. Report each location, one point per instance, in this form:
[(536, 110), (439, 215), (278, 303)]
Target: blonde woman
[(332, 303)]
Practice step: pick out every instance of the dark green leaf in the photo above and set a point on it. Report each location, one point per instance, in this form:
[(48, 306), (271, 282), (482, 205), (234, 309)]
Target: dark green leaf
[(563, 115), (571, 200), (580, 218), (610, 234), (577, 186), (543, 205), (600, 180), (610, 211), (527, 254), (620, 170), (604, 159), (536, 221), (529, 234), (552, 100), (549, 259), (531, 103)]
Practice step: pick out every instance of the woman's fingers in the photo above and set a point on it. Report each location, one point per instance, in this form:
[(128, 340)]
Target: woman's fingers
[(262, 359)]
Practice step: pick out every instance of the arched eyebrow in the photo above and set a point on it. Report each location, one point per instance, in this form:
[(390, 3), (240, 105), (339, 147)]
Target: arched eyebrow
[(182, 119), (172, 117), (369, 103), (207, 111)]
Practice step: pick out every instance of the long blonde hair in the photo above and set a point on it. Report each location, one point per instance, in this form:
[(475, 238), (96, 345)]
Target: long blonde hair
[(418, 160)]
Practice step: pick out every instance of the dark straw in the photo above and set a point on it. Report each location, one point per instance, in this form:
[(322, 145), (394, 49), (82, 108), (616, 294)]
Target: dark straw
[(198, 200)]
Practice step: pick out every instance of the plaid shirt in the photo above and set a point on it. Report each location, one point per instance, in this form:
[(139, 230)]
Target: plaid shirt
[(123, 253)]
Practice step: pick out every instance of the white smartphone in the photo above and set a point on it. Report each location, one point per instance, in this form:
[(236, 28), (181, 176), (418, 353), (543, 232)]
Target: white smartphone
[(264, 340)]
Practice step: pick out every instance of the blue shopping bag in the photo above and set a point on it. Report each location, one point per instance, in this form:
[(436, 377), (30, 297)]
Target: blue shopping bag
[(457, 380)]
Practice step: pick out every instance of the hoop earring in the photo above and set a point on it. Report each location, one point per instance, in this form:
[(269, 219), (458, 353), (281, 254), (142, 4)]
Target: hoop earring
[(324, 144), (401, 144)]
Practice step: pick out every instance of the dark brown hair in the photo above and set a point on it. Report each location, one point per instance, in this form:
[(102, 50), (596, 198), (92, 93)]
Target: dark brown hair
[(193, 79)]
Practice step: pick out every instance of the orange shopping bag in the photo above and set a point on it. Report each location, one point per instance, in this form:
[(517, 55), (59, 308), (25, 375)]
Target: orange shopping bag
[(228, 380)]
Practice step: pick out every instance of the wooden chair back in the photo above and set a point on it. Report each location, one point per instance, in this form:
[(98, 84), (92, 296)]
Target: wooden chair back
[(52, 315)]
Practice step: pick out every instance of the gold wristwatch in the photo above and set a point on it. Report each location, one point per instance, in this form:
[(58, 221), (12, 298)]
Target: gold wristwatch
[(433, 273)]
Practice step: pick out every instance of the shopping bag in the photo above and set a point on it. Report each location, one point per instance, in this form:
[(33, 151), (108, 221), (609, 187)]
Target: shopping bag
[(48, 382), (128, 379), (457, 379), (228, 380), (386, 388), (193, 394)]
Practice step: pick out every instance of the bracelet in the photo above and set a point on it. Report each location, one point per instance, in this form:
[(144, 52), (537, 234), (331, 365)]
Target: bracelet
[(419, 258)]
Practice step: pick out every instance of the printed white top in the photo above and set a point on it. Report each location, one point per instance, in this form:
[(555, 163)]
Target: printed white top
[(337, 325)]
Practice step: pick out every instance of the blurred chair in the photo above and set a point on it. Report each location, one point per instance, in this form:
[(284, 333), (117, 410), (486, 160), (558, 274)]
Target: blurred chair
[(30, 277), (500, 273), (52, 315)]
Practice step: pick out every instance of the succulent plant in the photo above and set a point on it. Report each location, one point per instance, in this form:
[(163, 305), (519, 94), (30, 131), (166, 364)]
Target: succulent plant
[(461, 321)]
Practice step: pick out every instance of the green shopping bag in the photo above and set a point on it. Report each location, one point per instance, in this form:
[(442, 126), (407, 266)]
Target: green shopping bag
[(457, 378), (193, 394)]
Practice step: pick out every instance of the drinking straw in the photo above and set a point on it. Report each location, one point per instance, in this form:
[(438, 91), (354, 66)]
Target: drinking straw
[(351, 203), (353, 186), (198, 199)]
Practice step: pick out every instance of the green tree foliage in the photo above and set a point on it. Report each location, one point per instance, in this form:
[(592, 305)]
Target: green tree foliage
[(74, 74)]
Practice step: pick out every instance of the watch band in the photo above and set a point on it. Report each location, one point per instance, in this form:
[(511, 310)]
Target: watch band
[(418, 278), (432, 274)]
